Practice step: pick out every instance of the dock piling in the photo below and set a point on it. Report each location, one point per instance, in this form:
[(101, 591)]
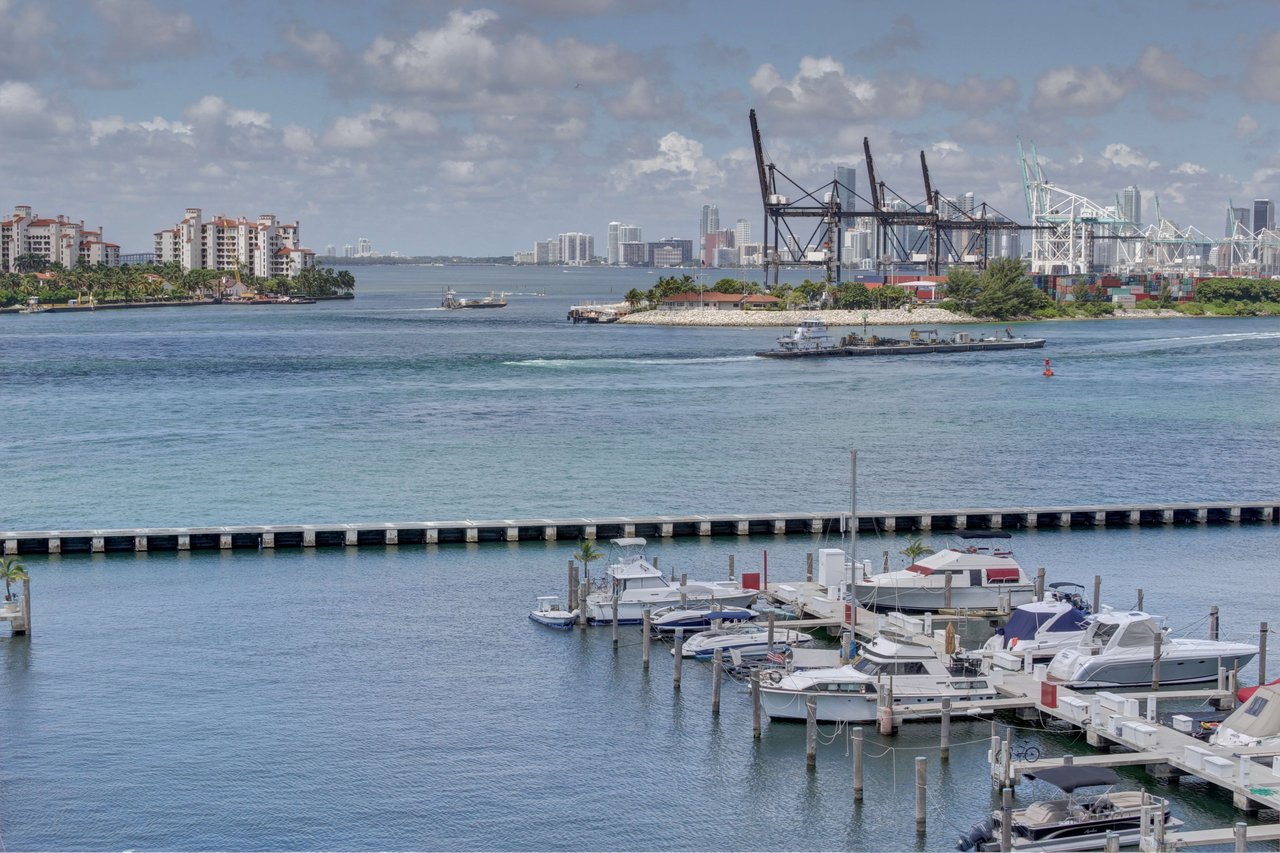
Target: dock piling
[(1040, 583), (755, 705), (717, 675), (1155, 661), (1097, 593), (944, 752), (1213, 622), (730, 567), (684, 583), (1111, 844), (808, 567), (855, 737), (1006, 819), (675, 673), (946, 590), (1262, 653), (1240, 832), (646, 640), (1139, 607), (573, 586), (811, 733), (615, 624), (922, 765), (773, 618)]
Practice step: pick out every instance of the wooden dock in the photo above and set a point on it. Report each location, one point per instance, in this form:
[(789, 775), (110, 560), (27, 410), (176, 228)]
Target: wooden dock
[(255, 537)]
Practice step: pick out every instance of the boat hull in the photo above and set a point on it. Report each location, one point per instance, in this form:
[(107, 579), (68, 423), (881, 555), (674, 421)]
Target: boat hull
[(1080, 670), (888, 597), (559, 622), (855, 707), (904, 349), (600, 609)]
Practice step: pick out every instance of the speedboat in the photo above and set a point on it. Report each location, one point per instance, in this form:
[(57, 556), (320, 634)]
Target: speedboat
[(1071, 823), (550, 613), (750, 640), (982, 574), (1042, 628), (912, 672), (1255, 722), (695, 616), (636, 585), (1118, 650)]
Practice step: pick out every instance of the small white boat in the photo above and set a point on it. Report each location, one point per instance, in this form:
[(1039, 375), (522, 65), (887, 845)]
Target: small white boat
[(550, 613), (1042, 628), (749, 641), (1071, 823), (696, 616), (1118, 650), (982, 574), (635, 584), (850, 693)]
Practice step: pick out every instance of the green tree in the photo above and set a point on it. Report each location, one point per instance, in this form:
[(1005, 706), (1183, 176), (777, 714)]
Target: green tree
[(11, 569), (961, 289), (634, 297), (915, 549), (586, 554), (1007, 291), (30, 263)]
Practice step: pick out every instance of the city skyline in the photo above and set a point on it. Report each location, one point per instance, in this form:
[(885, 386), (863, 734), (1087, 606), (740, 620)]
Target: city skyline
[(469, 128)]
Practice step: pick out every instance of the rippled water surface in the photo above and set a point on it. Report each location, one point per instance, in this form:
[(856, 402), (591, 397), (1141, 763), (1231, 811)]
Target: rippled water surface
[(399, 698)]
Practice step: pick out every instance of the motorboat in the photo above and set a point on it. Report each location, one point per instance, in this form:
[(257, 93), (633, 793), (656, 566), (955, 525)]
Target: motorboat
[(1043, 628), (550, 613), (748, 640), (1071, 822), (983, 575), (911, 671), (1118, 650), (1255, 722), (637, 585), (696, 615)]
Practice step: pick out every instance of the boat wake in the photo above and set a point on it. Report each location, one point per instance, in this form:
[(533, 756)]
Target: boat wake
[(1198, 340), (563, 363)]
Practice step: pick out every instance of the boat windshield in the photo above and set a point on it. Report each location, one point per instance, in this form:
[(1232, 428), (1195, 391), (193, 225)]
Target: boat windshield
[(1102, 632), (865, 665)]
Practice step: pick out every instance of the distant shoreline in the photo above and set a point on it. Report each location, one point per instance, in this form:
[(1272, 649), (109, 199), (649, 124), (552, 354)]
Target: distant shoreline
[(114, 306), (838, 317)]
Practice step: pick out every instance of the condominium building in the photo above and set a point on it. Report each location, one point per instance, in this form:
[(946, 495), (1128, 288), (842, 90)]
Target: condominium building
[(576, 249), (56, 241), (1131, 205), (265, 248), (671, 252)]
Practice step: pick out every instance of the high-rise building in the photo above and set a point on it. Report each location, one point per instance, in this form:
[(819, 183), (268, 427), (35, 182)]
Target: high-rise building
[(670, 252), (1237, 215), (629, 234), (846, 188), (266, 247), (1131, 205), (709, 223), (576, 248), (611, 252), (364, 248), (57, 240), (742, 233), (330, 250), (1264, 215)]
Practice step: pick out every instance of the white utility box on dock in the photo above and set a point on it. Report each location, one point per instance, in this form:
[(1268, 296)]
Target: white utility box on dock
[(831, 568), (1074, 709), (1006, 661), (1182, 723), (1141, 735), (1222, 768), (1194, 756)]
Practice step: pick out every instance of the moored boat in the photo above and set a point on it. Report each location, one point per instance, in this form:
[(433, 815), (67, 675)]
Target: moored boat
[(748, 640), (696, 615), (550, 613), (636, 584), (977, 577), (1071, 822)]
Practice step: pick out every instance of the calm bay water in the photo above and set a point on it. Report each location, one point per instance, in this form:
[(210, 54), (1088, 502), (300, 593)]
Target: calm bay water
[(399, 699)]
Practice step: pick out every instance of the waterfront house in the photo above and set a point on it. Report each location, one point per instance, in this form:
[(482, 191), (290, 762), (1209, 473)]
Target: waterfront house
[(718, 301)]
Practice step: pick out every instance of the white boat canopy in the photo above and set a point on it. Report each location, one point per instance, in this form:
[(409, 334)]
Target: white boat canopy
[(629, 542)]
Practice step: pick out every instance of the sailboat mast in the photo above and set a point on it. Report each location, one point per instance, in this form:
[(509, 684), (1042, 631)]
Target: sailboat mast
[(853, 506)]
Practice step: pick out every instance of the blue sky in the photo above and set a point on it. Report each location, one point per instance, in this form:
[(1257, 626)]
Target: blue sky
[(477, 129)]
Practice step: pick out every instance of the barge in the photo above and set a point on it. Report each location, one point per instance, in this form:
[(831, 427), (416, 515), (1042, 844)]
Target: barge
[(810, 340)]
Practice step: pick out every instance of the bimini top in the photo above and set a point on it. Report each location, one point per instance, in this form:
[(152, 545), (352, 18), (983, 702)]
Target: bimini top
[(983, 534), (1068, 777), (631, 542)]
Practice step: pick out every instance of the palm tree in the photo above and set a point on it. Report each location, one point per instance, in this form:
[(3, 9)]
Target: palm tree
[(12, 571), (586, 553), (915, 548)]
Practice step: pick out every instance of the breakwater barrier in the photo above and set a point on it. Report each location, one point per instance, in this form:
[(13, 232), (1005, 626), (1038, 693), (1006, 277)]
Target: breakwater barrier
[(658, 526)]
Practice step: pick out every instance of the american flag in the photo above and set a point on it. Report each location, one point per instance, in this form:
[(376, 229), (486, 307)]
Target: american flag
[(776, 657)]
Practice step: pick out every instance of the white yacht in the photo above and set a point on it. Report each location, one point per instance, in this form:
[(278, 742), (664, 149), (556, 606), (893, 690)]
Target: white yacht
[(695, 615), (635, 584), (850, 693), (982, 574), (748, 640), (549, 612), (1118, 650), (1041, 628)]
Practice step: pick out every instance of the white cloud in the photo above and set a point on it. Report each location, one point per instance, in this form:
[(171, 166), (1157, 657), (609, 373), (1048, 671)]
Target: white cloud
[(24, 111), (1190, 169), (678, 157), (1262, 70), (1077, 91), (1246, 126), (1167, 71), (141, 30), (377, 123), (1119, 154), (297, 138)]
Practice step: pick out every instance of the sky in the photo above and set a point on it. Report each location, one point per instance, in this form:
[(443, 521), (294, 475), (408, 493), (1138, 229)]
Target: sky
[(442, 128)]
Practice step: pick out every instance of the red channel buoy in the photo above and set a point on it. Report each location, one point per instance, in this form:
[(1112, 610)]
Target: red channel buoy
[(1048, 371)]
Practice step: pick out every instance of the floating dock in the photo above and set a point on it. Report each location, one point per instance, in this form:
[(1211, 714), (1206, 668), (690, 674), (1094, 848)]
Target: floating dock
[(655, 526)]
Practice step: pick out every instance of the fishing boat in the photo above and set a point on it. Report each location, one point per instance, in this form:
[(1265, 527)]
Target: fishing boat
[(696, 616), (978, 576), (635, 584), (748, 641), (908, 670), (550, 613), (450, 299), (1071, 822), (1118, 650)]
